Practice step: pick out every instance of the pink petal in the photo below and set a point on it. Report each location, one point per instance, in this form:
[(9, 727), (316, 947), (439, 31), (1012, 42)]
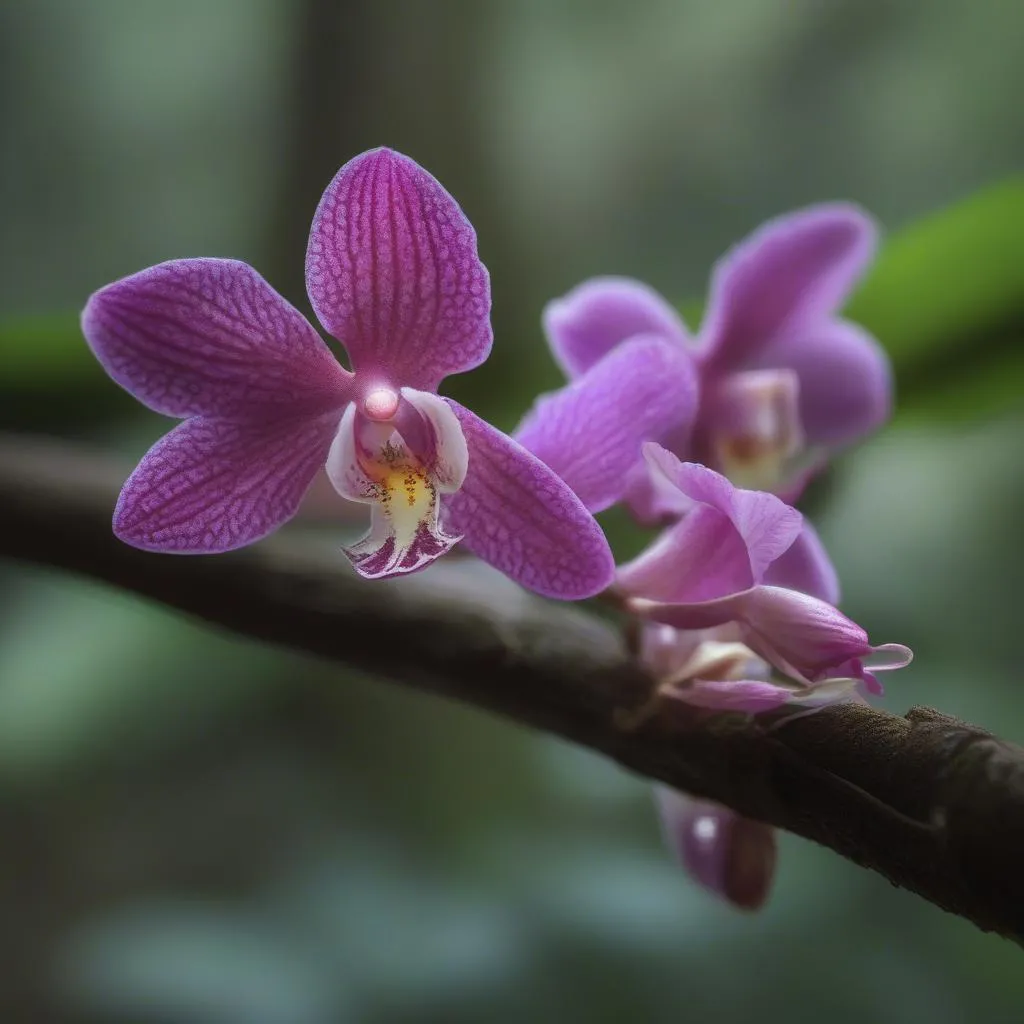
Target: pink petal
[(688, 616), (590, 431), (802, 636), (700, 558), (749, 696), (211, 337), (792, 270), (211, 485), (731, 856), (845, 379), (516, 514), (392, 271), (588, 322), (766, 524), (805, 566)]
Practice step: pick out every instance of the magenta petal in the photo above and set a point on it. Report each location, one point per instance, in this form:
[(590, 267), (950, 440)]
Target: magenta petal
[(392, 271), (687, 616), (588, 322), (792, 270), (590, 431), (845, 380), (211, 337), (518, 515), (747, 695), (767, 525), (700, 558), (800, 635), (731, 856), (212, 485), (805, 566)]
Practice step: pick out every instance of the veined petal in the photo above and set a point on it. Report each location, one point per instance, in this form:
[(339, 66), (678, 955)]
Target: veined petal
[(805, 566), (750, 422), (808, 639), (392, 271), (729, 855), (372, 462), (588, 322), (700, 558), (210, 337), (792, 270), (212, 485), (766, 525), (845, 379), (518, 515), (590, 431)]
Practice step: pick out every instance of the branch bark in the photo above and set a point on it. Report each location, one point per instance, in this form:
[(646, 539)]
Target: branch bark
[(933, 804)]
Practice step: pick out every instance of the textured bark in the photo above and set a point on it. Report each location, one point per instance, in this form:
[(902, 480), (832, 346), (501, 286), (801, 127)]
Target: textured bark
[(931, 803)]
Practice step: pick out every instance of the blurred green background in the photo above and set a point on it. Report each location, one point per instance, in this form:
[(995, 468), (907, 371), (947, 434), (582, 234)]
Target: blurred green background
[(199, 830)]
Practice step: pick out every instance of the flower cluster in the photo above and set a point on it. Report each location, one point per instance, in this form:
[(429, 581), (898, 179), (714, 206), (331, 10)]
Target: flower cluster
[(737, 593), (705, 436)]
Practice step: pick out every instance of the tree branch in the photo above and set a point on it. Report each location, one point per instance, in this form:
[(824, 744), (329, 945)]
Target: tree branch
[(933, 804)]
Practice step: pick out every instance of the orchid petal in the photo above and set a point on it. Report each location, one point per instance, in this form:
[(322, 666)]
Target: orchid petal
[(700, 558), (731, 856), (210, 337), (652, 500), (766, 525), (805, 566), (845, 380), (596, 316), (447, 458), (800, 635), (212, 485), (888, 657), (518, 515), (708, 614), (590, 431), (790, 271), (749, 696), (392, 271)]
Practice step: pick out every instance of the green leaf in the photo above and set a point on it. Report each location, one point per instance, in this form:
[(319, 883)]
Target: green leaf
[(44, 351), (951, 284)]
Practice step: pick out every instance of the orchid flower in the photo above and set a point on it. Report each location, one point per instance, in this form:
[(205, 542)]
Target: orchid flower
[(393, 273), (729, 855), (783, 380), (723, 563)]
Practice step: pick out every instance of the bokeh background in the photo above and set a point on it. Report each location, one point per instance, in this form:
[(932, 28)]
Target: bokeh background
[(197, 830)]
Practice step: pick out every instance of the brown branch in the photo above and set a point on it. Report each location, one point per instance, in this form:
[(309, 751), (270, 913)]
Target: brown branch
[(934, 805)]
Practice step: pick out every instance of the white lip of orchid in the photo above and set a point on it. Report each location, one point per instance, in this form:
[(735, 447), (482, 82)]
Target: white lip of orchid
[(398, 452)]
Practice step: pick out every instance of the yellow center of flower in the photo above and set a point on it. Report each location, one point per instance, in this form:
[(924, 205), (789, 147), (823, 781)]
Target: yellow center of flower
[(405, 491)]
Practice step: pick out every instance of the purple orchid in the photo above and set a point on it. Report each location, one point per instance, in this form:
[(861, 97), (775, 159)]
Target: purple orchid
[(729, 855), (723, 563), (783, 379), (393, 273)]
